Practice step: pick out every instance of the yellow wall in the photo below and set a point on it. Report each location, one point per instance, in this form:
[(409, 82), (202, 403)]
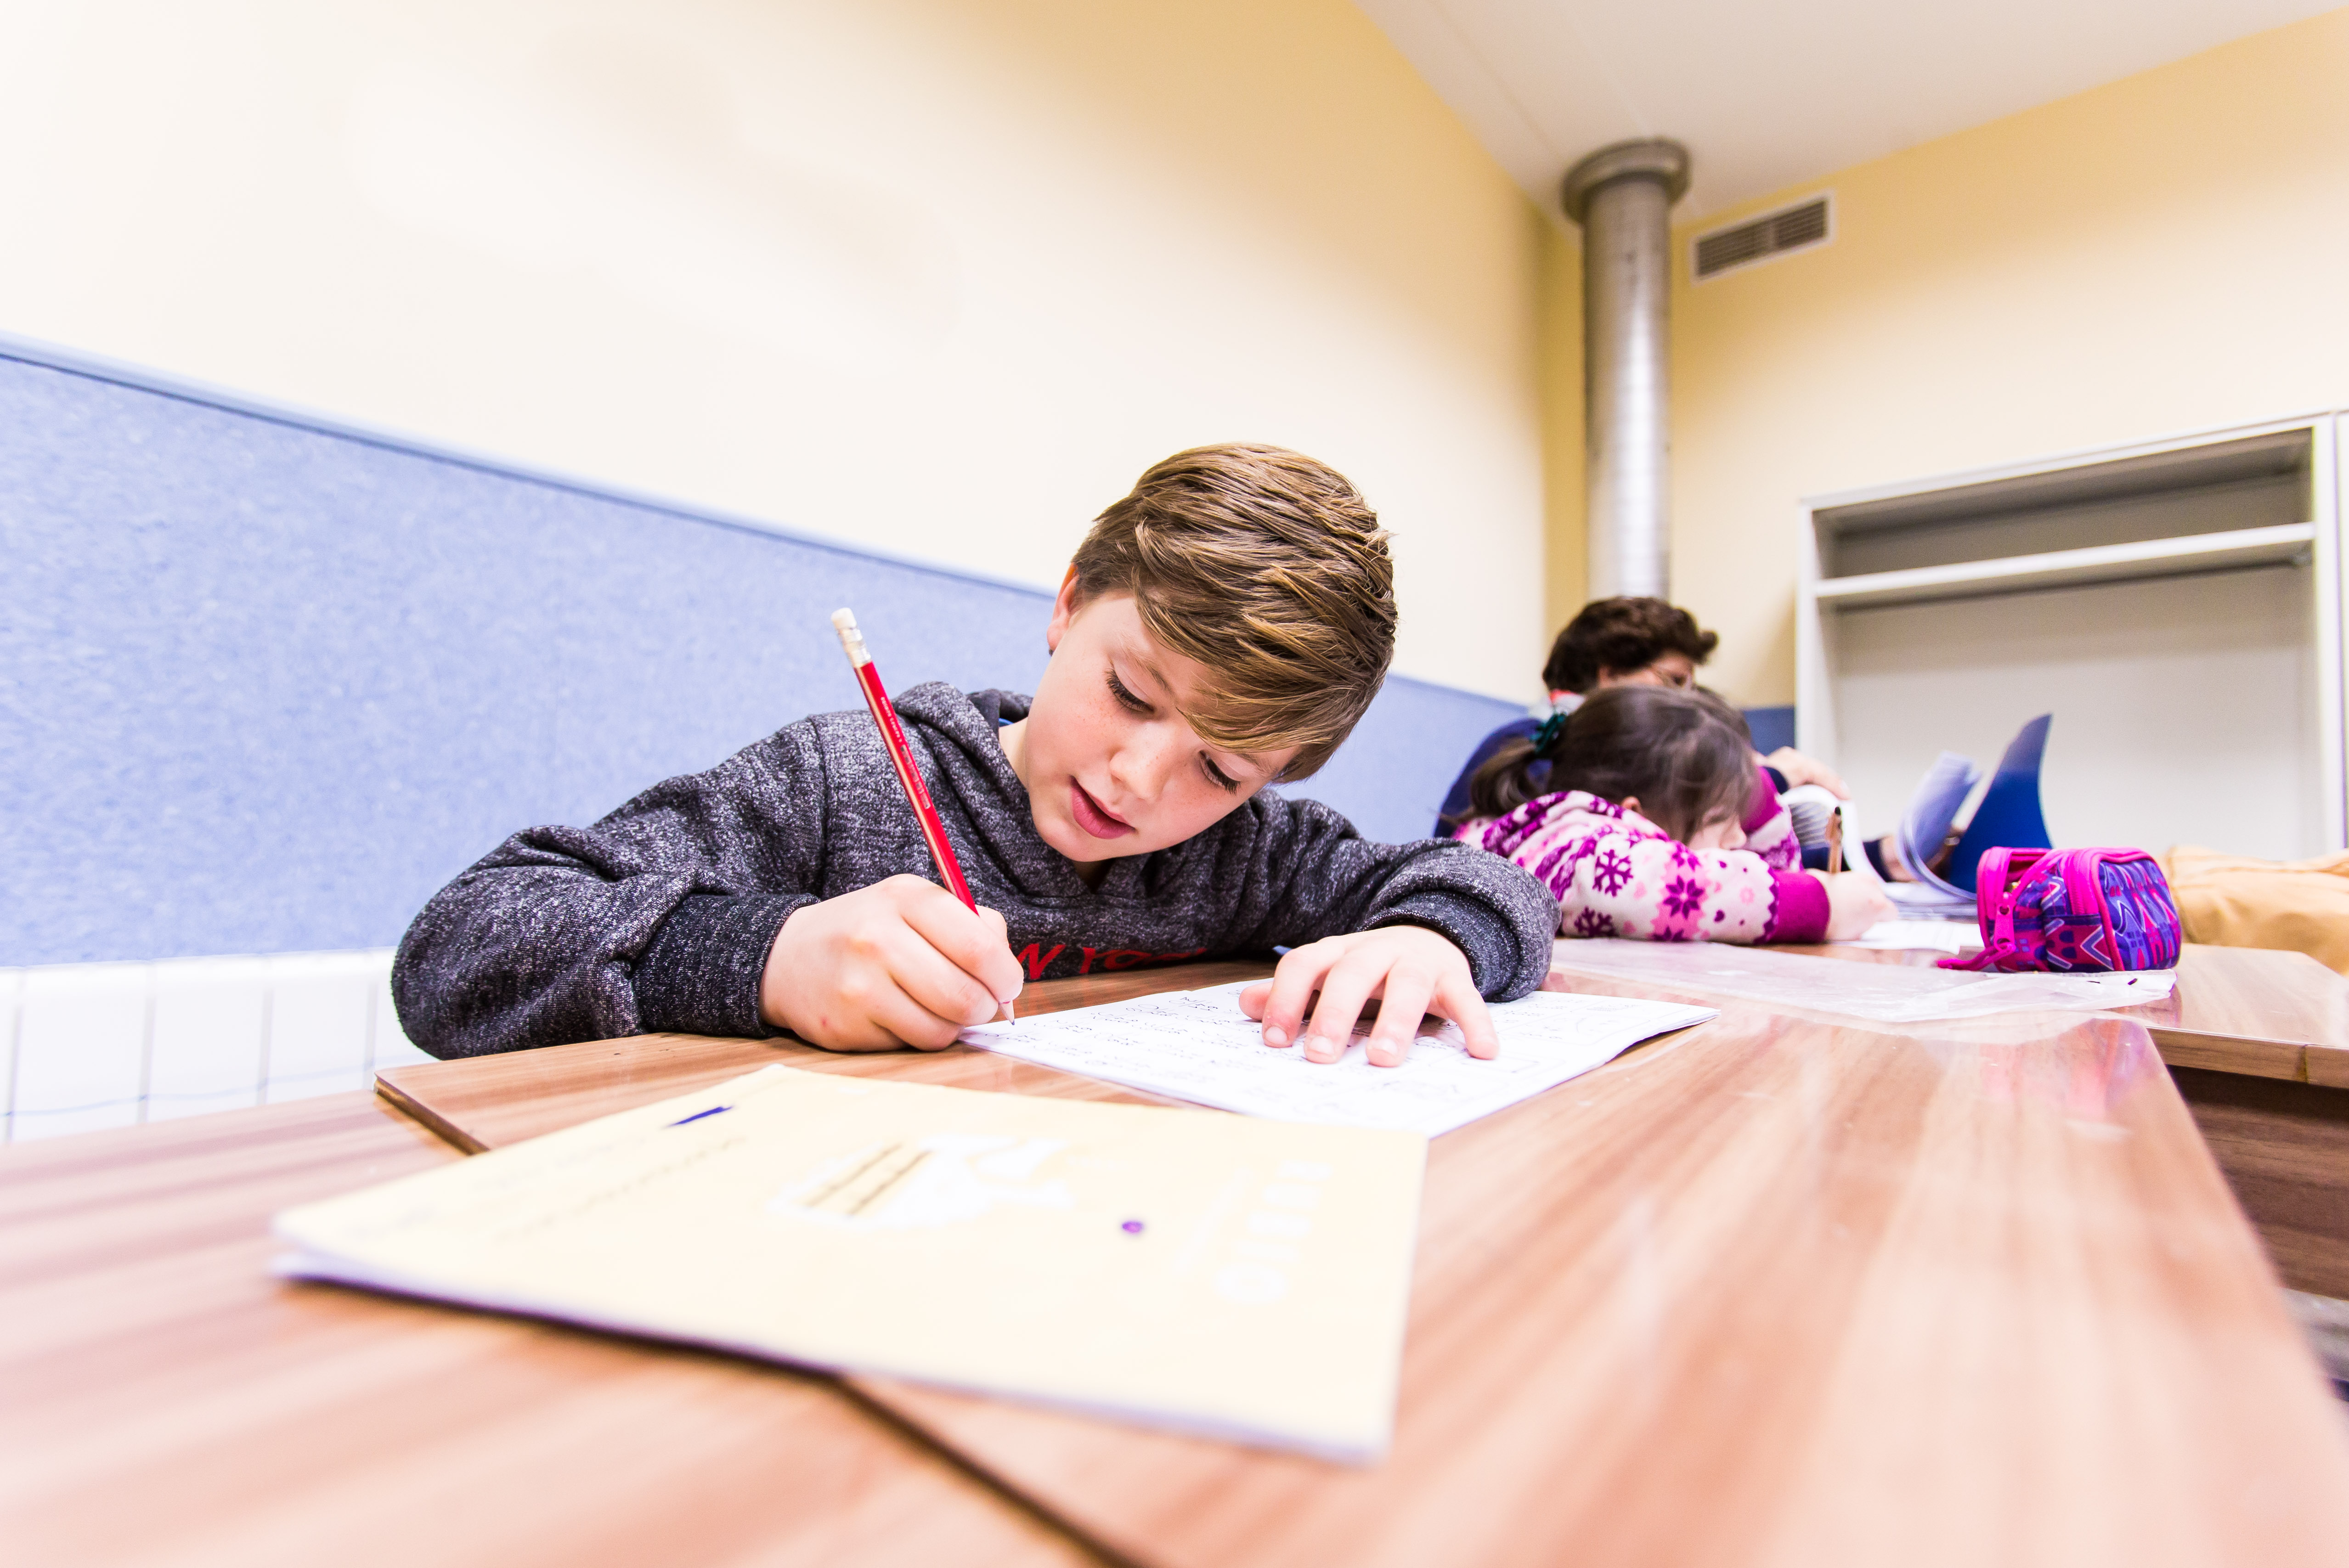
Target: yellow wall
[(1567, 584), (936, 276), (2167, 252)]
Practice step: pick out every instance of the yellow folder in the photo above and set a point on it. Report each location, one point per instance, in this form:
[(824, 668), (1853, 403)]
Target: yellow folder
[(1221, 1275)]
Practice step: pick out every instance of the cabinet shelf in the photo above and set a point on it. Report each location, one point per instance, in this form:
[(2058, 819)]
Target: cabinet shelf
[(2209, 671), (2074, 568)]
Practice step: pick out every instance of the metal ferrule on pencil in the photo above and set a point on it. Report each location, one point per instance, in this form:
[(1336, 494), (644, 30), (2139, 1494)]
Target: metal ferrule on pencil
[(844, 622)]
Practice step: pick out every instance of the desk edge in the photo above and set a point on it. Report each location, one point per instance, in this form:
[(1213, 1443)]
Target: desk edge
[(417, 1110)]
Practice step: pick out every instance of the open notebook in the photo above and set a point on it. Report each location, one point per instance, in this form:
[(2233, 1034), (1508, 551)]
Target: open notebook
[(2008, 813), (1226, 1276)]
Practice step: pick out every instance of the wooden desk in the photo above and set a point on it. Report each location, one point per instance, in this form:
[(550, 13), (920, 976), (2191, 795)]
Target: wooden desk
[(487, 1103), (2254, 1011), (2249, 1010), (2258, 1043), (164, 1400), (1764, 1292)]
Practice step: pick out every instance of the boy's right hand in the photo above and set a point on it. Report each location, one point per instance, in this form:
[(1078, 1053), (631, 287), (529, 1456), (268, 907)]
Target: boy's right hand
[(1856, 901), (901, 963)]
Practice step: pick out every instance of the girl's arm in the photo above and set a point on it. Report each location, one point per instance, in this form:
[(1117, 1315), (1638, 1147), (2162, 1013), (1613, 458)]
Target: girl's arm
[(1769, 828)]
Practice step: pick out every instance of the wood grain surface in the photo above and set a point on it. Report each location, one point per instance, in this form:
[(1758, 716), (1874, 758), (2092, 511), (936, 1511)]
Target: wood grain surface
[(2284, 1148), (1770, 1291), (163, 1400), (1775, 1293), (2256, 1011), (487, 1103)]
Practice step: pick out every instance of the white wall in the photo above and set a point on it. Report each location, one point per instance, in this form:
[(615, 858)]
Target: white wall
[(2186, 708), (2160, 254), (938, 278)]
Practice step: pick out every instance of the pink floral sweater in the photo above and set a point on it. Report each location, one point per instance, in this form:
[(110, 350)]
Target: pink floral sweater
[(1615, 874)]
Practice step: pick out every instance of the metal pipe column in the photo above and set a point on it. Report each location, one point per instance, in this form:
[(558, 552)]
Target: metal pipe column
[(1622, 196)]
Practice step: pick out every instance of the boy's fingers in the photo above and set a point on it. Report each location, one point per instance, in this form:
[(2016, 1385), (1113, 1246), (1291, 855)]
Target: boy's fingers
[(1001, 938), (972, 944), (1344, 989), (1457, 999), (872, 1013), (907, 1021), (932, 980), (1252, 998), (936, 986), (1291, 991), (1402, 1002)]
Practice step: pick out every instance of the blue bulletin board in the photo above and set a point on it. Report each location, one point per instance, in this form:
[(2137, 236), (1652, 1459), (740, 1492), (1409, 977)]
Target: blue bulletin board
[(266, 682)]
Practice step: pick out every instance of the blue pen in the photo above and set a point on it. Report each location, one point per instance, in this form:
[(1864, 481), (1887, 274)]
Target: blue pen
[(698, 1115)]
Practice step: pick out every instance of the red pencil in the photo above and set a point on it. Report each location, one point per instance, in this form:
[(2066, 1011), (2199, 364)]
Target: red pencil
[(893, 738)]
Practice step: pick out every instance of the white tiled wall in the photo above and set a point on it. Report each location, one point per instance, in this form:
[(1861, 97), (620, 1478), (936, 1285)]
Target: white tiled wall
[(91, 1045)]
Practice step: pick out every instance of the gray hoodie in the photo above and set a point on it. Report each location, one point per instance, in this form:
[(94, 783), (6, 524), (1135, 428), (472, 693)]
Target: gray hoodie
[(659, 917)]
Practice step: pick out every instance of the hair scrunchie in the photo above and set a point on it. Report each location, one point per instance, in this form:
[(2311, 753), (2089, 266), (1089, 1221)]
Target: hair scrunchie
[(1551, 728)]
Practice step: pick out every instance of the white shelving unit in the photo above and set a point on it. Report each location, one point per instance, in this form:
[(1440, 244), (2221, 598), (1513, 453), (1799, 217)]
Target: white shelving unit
[(2176, 603), (2276, 545)]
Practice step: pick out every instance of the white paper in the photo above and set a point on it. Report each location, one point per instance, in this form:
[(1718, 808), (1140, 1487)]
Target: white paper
[(1931, 809), (1919, 902), (1199, 1046), (1812, 807), (1952, 936)]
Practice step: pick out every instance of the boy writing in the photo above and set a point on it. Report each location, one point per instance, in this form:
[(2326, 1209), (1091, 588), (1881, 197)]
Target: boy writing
[(1221, 628)]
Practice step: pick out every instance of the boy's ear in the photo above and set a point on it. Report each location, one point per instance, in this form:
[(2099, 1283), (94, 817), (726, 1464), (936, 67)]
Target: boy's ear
[(1064, 610)]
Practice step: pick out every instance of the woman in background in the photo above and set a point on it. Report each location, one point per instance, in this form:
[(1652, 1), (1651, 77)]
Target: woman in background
[(1621, 642)]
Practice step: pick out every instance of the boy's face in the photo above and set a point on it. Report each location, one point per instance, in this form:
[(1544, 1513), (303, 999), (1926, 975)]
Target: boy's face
[(1112, 766)]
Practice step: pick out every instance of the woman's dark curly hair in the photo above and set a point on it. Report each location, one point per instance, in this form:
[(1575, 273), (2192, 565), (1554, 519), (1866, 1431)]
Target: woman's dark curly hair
[(1622, 635)]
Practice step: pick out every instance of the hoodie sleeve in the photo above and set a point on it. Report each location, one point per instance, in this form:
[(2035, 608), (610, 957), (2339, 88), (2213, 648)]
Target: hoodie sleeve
[(659, 917), (1306, 874)]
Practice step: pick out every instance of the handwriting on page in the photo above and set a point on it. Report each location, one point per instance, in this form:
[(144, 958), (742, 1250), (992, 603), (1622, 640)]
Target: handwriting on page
[(1199, 1046)]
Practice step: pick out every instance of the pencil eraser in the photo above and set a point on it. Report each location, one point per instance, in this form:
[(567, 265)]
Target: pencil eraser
[(845, 620)]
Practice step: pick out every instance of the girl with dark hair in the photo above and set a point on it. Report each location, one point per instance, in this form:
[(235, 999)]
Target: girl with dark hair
[(1635, 811), (1621, 642)]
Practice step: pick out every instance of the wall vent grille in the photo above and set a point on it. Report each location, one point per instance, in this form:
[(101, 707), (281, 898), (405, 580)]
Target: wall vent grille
[(1772, 234)]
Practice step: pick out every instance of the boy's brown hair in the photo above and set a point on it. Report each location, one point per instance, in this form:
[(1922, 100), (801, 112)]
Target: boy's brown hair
[(1270, 570), (1622, 635)]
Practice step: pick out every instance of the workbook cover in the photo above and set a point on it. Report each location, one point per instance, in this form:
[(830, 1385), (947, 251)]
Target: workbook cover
[(1221, 1275)]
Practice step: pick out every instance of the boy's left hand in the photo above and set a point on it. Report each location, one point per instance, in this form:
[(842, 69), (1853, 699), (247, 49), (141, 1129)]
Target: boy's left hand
[(1410, 970)]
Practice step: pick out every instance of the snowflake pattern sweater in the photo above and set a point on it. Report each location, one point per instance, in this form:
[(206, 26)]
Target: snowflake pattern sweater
[(1615, 874)]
